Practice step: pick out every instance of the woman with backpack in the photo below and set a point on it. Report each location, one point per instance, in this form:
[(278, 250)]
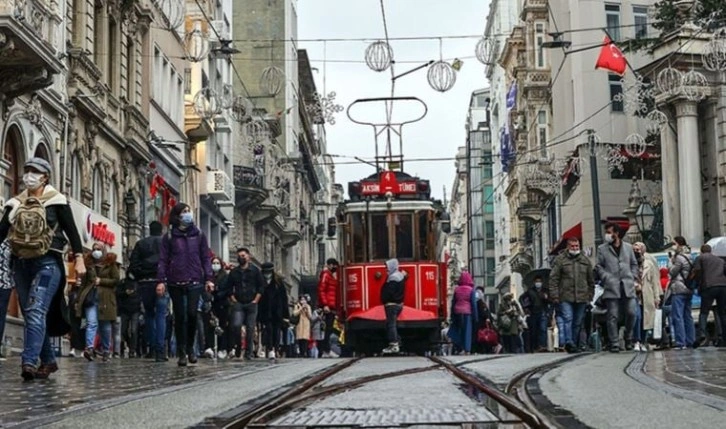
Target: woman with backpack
[(185, 269), (38, 223), (684, 331)]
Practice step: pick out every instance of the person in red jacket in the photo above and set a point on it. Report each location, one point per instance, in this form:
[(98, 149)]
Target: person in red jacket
[(327, 300)]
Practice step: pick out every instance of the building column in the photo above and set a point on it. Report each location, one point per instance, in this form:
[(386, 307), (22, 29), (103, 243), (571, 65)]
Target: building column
[(689, 166), (670, 180)]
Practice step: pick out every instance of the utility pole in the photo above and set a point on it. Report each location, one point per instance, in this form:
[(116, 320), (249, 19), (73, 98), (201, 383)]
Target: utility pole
[(595, 187)]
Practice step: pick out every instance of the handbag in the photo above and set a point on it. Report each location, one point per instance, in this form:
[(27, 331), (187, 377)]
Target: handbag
[(658, 324), (487, 335), (553, 335)]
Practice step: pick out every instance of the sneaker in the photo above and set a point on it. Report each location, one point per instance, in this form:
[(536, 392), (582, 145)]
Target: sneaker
[(637, 347), (272, 355), (89, 354), (209, 353), (498, 349), (192, 358), (334, 355), (392, 348), (44, 371), (105, 357), (182, 361), (72, 353), (222, 354), (28, 372)]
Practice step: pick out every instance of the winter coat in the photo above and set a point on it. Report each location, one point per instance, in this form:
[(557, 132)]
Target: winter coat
[(679, 271), (303, 329), (571, 279), (245, 283), (88, 284), (650, 287), (317, 332), (327, 289), (463, 295), (109, 276), (185, 257), (510, 309), (533, 301), (393, 290), (144, 260), (614, 269), (273, 307), (128, 297), (710, 271), (221, 292)]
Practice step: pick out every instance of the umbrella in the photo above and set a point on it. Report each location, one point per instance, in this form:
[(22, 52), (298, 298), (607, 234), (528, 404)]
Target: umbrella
[(528, 280), (718, 246)]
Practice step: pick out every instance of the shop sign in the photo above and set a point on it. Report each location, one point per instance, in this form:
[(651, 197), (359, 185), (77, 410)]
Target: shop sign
[(93, 227)]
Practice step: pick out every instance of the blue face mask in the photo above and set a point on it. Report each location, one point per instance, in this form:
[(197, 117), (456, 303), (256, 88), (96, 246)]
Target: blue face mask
[(187, 218)]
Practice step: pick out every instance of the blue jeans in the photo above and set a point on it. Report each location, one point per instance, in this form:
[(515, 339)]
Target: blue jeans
[(684, 331), (638, 327), (4, 301), (572, 314), (106, 327), (155, 309), (36, 281), (91, 313)]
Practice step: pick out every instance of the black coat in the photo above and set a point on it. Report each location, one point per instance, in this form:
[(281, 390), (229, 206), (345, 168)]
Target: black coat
[(273, 306), (128, 297), (393, 292), (145, 258)]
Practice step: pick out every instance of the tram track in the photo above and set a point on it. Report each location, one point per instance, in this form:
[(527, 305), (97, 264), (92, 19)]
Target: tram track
[(511, 408)]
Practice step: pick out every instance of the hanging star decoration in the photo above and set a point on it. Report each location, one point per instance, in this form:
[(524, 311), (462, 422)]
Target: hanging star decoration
[(324, 108)]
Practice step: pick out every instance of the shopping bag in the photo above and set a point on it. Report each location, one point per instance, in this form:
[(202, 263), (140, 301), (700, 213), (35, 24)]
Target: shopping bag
[(553, 335), (658, 324)]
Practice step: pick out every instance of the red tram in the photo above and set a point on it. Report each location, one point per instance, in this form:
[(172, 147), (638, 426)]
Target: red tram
[(391, 215)]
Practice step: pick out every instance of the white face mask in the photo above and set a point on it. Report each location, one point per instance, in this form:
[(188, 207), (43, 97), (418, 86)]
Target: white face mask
[(216, 267), (96, 254), (538, 285), (609, 238), (32, 181), (574, 252), (267, 277)]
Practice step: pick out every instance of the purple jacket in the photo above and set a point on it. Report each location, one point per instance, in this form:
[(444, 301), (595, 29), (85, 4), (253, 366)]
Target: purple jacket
[(184, 257)]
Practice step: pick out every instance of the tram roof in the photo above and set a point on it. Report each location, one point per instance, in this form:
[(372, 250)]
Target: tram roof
[(383, 206)]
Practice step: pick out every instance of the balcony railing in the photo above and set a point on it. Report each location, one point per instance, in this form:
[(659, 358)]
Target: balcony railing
[(248, 176), (249, 185)]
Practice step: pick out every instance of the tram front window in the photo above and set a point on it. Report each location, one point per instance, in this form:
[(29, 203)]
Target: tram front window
[(379, 236), (404, 235), (359, 243)]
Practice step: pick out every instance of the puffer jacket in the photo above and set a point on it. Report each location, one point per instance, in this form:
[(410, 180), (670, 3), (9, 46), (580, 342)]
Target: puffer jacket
[(327, 289), (571, 279), (679, 271)]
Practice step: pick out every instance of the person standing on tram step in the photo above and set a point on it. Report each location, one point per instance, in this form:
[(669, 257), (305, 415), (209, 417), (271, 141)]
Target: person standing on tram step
[(274, 313), (38, 263), (392, 294), (143, 268), (327, 300), (245, 284), (186, 269)]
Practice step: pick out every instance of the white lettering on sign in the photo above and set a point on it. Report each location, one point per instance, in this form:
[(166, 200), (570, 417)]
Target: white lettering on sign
[(430, 302), (353, 278), (403, 188), (430, 275)]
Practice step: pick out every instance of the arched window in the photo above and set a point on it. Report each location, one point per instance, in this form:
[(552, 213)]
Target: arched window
[(76, 179), (41, 151), (11, 179), (113, 202), (97, 189)]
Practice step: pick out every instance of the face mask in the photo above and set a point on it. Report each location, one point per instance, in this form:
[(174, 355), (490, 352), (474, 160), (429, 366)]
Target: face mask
[(32, 181), (267, 277), (609, 238), (574, 252), (479, 295), (96, 254), (303, 302), (187, 218), (334, 269), (242, 260), (538, 285), (216, 267)]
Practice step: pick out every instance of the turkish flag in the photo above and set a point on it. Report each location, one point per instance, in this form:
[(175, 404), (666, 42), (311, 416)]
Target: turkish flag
[(611, 58), (388, 182)]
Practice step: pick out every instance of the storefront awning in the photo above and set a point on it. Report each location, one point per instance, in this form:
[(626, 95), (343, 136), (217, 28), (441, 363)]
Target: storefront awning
[(575, 231)]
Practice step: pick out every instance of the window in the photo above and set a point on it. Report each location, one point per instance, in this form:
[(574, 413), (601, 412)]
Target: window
[(640, 18), (424, 227), (487, 165), (403, 224), (131, 71), (539, 38), (488, 199), (112, 59), (491, 271), (98, 36), (187, 81), (616, 88), (113, 208), (489, 229), (480, 101), (379, 236), (612, 21), (358, 241), (76, 177), (542, 132), (97, 190)]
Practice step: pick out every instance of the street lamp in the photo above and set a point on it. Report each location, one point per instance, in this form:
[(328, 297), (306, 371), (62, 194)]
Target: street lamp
[(644, 217)]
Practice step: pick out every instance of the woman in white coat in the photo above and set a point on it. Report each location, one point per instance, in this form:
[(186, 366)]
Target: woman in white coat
[(650, 291)]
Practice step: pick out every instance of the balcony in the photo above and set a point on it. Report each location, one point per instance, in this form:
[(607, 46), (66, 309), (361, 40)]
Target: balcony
[(249, 187), (521, 260), (28, 31), (219, 186)]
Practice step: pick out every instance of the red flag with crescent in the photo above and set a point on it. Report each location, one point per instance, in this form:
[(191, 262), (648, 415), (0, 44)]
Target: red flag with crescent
[(388, 182), (611, 58)]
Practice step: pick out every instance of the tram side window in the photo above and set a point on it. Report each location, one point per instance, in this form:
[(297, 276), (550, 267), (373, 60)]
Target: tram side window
[(424, 229), (359, 241), (379, 236), (404, 235)]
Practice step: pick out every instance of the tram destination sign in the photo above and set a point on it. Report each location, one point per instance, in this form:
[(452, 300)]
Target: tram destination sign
[(374, 188)]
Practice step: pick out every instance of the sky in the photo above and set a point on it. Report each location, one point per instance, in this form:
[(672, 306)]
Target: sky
[(442, 130)]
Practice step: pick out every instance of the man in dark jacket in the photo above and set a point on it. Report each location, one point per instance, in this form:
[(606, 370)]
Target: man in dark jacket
[(710, 271), (534, 305), (273, 311), (245, 284), (571, 287), (143, 270), (392, 294), (129, 307)]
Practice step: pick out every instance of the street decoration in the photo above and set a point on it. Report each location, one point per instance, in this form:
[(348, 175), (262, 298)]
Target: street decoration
[(635, 145), (441, 76), (241, 109), (379, 56), (196, 43), (635, 95), (714, 52), (669, 81), (654, 121), (483, 50), (272, 80), (226, 97), (174, 12), (323, 108), (694, 85), (206, 103), (256, 130), (613, 155)]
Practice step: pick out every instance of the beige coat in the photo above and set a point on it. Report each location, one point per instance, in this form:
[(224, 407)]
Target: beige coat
[(651, 289), (302, 329)]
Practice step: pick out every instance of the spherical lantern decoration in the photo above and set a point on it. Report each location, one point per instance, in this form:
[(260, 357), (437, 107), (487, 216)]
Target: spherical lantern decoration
[(256, 131), (174, 12), (379, 56), (483, 50), (635, 145), (226, 97), (714, 52), (196, 45), (272, 80), (694, 85), (241, 109), (441, 76), (655, 120), (669, 81), (206, 103)]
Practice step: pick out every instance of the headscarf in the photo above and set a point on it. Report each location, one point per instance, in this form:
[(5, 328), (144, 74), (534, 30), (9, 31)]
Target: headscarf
[(393, 273), (465, 279)]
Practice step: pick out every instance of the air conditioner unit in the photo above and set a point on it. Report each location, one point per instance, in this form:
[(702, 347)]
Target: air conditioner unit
[(219, 186)]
